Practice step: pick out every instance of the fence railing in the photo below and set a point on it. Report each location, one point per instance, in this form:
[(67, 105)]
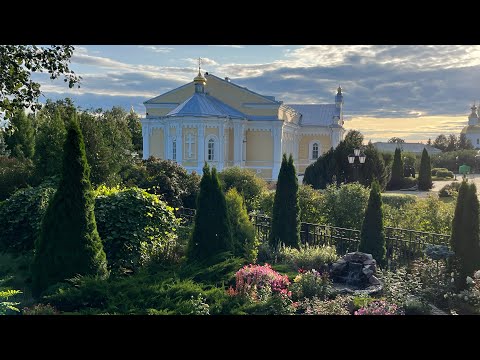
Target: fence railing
[(402, 245)]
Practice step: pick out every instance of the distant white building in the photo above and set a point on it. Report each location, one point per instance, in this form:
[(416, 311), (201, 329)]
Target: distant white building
[(472, 130), (415, 148)]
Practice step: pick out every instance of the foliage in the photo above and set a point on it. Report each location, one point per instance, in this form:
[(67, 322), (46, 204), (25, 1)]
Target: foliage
[(396, 180), (21, 218), (265, 203), (372, 236), (450, 190), (467, 301), (108, 144), (256, 282), (465, 241), (360, 301), (69, 243), (374, 168), (425, 174), (40, 309), (315, 306), (20, 136), (449, 160), (434, 278), (286, 209), (18, 62), (246, 182), (441, 142), (243, 232), (396, 140), (270, 304), (3, 146), (135, 127), (311, 284), (428, 215), (135, 227), (8, 305), (14, 174), (199, 306), (445, 174), (452, 143), (211, 233), (322, 172), (398, 200), (49, 145), (310, 202), (414, 306), (463, 143), (348, 199), (380, 307), (166, 178), (438, 252), (399, 285), (308, 257)]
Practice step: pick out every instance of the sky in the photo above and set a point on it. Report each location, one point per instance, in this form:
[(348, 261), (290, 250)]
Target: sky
[(415, 92)]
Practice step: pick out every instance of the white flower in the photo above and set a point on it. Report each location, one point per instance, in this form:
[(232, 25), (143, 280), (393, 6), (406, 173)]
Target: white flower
[(469, 280), (445, 295), (477, 274), (452, 274), (453, 280)]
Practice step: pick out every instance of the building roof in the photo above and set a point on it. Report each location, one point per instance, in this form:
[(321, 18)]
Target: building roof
[(200, 104), (409, 147), (471, 129), (316, 114)]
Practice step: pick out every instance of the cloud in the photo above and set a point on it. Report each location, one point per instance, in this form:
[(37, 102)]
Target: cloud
[(205, 61), (230, 46), (157, 49)]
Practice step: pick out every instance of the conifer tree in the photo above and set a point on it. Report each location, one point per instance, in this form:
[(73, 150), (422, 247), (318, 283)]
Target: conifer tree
[(69, 243), (243, 231), (20, 136), (211, 232), (396, 181), (425, 174), (372, 236), (286, 209), (464, 241)]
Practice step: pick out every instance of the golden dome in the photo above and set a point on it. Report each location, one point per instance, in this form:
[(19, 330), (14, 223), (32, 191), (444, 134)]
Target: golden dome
[(471, 129), (200, 78)]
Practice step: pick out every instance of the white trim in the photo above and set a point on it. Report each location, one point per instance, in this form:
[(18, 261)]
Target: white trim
[(310, 149)]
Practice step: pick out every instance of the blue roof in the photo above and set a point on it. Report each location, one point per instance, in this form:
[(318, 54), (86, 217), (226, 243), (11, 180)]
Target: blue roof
[(200, 104), (316, 114)]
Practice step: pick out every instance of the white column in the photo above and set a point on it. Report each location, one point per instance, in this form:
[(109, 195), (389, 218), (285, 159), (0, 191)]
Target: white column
[(226, 147), (243, 145), (221, 146), (296, 142), (179, 138), (237, 144), (201, 147), (166, 140), (277, 150), (146, 140)]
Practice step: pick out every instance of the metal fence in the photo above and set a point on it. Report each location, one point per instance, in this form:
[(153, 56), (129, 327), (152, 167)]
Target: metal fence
[(402, 245)]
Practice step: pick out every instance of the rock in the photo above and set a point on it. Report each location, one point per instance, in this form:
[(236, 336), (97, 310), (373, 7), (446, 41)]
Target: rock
[(338, 267), (367, 272), (372, 267), (360, 257), (370, 262), (373, 280)]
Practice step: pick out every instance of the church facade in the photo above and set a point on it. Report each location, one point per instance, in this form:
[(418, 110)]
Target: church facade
[(472, 130), (216, 121)]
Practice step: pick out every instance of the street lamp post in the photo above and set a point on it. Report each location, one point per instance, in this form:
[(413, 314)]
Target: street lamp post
[(456, 167), (361, 160)]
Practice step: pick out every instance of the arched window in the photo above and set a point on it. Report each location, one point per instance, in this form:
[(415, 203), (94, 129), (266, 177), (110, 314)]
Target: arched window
[(315, 151), (174, 149), (211, 150)]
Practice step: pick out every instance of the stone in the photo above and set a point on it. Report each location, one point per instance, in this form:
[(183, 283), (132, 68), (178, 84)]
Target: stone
[(367, 272), (338, 267), (372, 267), (370, 262), (374, 280), (360, 257)]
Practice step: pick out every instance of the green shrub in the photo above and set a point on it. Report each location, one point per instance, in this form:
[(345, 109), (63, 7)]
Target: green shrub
[(14, 174), (425, 176), (308, 257), (243, 232), (339, 306), (310, 202), (135, 226), (415, 306), (265, 203), (445, 174), (21, 218), (408, 182), (346, 199), (398, 200), (450, 190), (311, 284), (246, 182), (40, 309), (397, 179), (436, 170)]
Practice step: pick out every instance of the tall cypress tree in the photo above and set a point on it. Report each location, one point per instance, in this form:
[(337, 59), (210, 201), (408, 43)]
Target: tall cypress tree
[(465, 241), (21, 136), (211, 233), (69, 243), (286, 209), (425, 174), (372, 236), (396, 181)]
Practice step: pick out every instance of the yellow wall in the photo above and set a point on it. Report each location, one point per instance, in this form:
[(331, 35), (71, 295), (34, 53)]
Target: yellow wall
[(190, 163), (193, 131), (211, 131), (156, 143), (259, 148), (325, 144)]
